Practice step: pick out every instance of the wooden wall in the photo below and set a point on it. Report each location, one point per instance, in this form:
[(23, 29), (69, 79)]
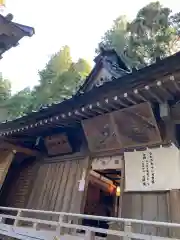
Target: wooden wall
[(19, 184), (152, 206), (6, 159), (56, 186)]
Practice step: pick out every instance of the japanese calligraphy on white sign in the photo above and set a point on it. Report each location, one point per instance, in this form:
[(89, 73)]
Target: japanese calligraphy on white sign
[(155, 169)]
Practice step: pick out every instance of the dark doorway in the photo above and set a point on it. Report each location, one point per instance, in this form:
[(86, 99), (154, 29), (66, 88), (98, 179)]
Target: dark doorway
[(100, 201)]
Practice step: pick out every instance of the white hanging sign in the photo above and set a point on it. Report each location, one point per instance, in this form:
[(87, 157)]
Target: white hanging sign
[(102, 163), (155, 169), (82, 182)]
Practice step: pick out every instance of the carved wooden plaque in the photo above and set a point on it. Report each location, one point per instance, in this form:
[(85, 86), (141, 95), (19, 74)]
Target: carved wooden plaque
[(100, 134), (137, 126), (57, 144), (109, 162)]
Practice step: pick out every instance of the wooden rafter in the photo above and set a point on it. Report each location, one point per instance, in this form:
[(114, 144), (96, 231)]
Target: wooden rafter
[(17, 148)]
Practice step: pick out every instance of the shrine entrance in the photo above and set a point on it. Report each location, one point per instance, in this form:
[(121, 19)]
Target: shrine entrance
[(103, 196), (104, 186)]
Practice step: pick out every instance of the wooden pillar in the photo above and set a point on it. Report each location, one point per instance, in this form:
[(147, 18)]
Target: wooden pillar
[(173, 196), (5, 162), (174, 211), (122, 186)]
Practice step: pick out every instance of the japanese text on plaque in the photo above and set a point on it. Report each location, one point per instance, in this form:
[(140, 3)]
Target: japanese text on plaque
[(148, 171)]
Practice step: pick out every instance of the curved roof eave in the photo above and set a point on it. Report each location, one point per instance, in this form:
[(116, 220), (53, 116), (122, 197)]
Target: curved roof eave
[(11, 33)]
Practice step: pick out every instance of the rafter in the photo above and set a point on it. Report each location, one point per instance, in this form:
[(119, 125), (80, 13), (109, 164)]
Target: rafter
[(17, 148)]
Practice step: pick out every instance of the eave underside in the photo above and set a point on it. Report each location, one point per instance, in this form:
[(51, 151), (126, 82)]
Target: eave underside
[(157, 83)]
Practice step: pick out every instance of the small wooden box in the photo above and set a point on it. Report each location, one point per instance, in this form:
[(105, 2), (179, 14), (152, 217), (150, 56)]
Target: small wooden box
[(57, 144)]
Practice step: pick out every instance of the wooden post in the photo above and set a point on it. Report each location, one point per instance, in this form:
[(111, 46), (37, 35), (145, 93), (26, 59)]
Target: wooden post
[(16, 223), (59, 228), (173, 197), (127, 229), (89, 235), (169, 133), (174, 212), (122, 186)]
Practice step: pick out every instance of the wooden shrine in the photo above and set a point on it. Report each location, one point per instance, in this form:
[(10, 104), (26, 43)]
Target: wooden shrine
[(120, 138)]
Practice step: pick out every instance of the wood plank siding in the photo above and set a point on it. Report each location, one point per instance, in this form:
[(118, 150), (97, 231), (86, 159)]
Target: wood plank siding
[(19, 184), (56, 186), (147, 206), (5, 162), (21, 189)]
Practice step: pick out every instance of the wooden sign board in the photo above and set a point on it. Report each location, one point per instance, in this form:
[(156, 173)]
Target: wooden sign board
[(137, 126), (100, 133), (155, 169), (129, 128), (110, 162), (57, 144)]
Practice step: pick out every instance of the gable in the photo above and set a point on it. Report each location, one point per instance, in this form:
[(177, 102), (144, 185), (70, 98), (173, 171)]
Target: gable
[(102, 76), (108, 66)]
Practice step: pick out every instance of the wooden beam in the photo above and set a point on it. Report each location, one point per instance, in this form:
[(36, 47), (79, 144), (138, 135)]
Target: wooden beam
[(153, 94), (118, 100), (166, 91), (17, 148), (139, 95), (169, 125), (129, 99), (175, 113)]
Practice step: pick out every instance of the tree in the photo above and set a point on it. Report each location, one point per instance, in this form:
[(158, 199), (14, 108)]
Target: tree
[(59, 79), (82, 67), (152, 34), (18, 104), (117, 38), (61, 61), (65, 85), (5, 89)]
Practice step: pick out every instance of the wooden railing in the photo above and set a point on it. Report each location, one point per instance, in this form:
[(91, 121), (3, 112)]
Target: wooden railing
[(36, 224)]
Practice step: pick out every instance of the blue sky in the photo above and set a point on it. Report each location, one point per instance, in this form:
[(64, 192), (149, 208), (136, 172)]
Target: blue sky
[(77, 23)]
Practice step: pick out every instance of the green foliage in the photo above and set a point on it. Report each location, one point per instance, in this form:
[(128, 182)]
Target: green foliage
[(152, 34), (82, 67), (117, 38), (61, 61), (18, 103), (58, 80), (5, 89), (175, 21)]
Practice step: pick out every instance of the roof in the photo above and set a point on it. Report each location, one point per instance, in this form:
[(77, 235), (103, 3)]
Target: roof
[(103, 98), (108, 52), (116, 67), (11, 33)]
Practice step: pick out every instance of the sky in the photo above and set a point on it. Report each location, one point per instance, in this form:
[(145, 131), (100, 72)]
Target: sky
[(77, 23)]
